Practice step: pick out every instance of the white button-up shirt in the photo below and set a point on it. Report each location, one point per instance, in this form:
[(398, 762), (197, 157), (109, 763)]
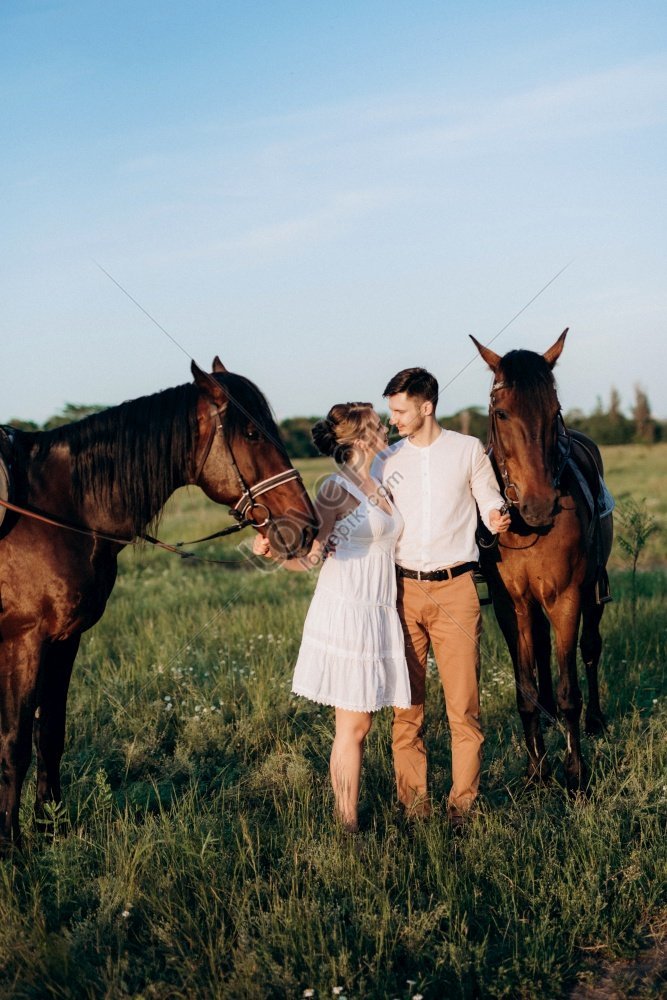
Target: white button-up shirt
[(437, 489)]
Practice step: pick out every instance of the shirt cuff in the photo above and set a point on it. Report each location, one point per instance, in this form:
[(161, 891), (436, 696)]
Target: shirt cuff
[(487, 510)]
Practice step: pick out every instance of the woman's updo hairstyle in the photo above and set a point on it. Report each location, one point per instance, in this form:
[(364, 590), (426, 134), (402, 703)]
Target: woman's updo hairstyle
[(335, 435)]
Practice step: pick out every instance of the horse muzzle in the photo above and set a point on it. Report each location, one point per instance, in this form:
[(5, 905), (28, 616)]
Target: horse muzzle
[(291, 537), (538, 512)]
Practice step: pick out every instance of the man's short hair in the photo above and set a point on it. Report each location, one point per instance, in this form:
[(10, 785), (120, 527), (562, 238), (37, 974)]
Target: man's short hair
[(414, 382)]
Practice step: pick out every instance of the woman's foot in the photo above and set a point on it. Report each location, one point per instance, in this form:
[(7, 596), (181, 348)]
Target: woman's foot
[(348, 824)]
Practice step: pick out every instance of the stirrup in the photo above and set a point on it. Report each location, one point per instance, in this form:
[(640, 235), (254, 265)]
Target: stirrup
[(602, 590)]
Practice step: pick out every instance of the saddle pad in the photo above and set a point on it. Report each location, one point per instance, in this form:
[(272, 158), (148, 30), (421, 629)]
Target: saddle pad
[(606, 502)]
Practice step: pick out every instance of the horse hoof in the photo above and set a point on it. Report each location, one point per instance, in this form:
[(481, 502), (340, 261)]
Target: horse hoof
[(577, 783), (595, 725), (538, 775)]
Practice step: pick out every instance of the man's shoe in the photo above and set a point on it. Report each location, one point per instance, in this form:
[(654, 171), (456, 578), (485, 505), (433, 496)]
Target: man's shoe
[(419, 809), (457, 824)]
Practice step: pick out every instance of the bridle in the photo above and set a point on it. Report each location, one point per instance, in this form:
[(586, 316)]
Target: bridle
[(241, 511), (494, 449)]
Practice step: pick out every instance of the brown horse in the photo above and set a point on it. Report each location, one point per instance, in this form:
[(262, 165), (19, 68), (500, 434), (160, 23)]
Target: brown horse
[(111, 474), (548, 569)]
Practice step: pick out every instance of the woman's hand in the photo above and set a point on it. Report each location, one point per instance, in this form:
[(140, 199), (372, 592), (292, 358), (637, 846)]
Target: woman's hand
[(261, 547)]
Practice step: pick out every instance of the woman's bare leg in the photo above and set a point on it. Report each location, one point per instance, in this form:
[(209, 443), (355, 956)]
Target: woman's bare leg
[(346, 757)]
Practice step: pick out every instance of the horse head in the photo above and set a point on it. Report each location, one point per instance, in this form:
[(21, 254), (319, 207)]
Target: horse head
[(240, 460), (523, 429)]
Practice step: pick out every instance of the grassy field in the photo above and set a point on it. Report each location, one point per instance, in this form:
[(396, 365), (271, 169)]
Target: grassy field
[(198, 857)]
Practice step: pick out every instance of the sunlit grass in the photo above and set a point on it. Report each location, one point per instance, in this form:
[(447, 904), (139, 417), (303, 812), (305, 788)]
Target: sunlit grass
[(197, 855)]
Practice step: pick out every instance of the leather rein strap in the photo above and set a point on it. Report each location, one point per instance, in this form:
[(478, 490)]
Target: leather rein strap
[(240, 511)]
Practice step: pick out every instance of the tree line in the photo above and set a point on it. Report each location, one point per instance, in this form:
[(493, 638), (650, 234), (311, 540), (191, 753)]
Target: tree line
[(606, 424)]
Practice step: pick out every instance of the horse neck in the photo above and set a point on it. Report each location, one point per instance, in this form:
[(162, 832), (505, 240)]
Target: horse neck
[(48, 489), (115, 473)]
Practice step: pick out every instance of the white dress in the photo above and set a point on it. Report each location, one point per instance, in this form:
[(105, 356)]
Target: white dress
[(352, 653)]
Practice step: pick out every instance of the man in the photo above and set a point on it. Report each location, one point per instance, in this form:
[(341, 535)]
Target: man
[(438, 479)]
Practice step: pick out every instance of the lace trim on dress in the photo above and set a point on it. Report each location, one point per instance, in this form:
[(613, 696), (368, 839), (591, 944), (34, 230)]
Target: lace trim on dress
[(348, 706)]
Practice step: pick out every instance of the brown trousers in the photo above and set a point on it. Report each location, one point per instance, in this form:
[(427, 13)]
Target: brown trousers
[(446, 616)]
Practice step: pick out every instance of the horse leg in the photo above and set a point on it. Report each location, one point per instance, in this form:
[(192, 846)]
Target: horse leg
[(591, 649), (517, 628), (49, 722), (542, 645), (566, 628), (19, 669), (528, 700)]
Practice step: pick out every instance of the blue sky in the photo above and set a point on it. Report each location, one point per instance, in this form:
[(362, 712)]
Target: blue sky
[(324, 193)]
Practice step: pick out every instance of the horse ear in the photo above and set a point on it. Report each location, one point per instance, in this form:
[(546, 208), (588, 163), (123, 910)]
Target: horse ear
[(492, 359), (552, 355), (218, 365), (208, 385)]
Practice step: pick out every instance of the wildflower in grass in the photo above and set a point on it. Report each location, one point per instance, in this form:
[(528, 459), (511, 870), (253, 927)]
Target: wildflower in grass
[(125, 914), (309, 993), (337, 990)]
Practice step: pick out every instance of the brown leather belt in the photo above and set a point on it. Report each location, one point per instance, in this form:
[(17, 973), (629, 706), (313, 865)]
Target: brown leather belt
[(437, 574)]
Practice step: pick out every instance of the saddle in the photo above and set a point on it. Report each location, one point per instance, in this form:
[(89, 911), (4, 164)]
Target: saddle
[(577, 457), (580, 469)]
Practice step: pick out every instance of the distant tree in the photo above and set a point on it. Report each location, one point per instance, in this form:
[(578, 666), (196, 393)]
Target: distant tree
[(645, 425), (473, 420), (72, 412), (23, 425), (614, 412), (610, 427), (295, 432)]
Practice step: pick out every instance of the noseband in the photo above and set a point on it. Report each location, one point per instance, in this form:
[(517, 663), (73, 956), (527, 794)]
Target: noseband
[(242, 510), (511, 490)]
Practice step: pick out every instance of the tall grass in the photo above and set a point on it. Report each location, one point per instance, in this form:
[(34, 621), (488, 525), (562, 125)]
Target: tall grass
[(197, 855)]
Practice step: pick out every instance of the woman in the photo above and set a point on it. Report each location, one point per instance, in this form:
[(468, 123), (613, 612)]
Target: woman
[(352, 654)]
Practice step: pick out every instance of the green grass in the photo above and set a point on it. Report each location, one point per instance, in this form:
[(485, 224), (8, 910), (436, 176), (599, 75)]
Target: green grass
[(197, 855), (640, 472)]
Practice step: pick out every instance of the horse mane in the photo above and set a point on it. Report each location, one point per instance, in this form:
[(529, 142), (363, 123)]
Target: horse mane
[(247, 404), (133, 456), (530, 376)]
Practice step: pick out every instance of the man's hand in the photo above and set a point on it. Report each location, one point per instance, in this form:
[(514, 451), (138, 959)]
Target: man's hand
[(261, 547), (499, 522)]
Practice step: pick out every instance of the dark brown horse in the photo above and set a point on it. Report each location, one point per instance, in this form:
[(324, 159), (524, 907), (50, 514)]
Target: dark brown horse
[(548, 569), (111, 474)]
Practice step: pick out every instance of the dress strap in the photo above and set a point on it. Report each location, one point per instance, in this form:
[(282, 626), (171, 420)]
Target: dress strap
[(350, 487)]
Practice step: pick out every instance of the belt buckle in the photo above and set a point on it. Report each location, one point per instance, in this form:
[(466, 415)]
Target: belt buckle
[(419, 575)]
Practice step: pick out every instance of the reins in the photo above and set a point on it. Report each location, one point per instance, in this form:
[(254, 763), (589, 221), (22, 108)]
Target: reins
[(240, 511)]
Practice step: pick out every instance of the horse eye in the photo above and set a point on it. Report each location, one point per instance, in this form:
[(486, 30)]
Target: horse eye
[(252, 434), (501, 415)]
